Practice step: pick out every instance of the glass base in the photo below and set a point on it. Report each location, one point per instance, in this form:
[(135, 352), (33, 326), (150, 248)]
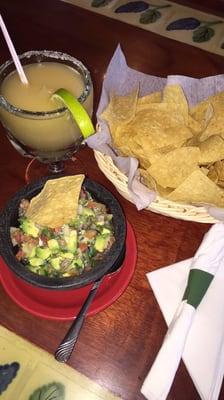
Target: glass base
[(36, 169)]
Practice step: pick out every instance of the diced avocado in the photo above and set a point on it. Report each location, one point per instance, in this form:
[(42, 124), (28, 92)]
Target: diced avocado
[(43, 252), (56, 262), (30, 228), (101, 243), (105, 231), (71, 241), (35, 269), (100, 223), (35, 261), (88, 212), (29, 250), (77, 262), (67, 255), (53, 245), (79, 221)]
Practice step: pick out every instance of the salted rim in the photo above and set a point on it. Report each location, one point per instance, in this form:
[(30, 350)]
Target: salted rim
[(53, 55)]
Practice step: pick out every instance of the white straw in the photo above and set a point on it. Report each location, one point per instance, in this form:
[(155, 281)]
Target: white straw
[(13, 52)]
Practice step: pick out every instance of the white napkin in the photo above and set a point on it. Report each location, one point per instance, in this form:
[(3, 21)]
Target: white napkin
[(196, 335)]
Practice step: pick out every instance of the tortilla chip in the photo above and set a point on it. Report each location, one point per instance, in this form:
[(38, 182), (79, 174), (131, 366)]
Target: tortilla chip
[(157, 139), (174, 167), (155, 97), (57, 203), (216, 101), (213, 174), (202, 113), (193, 141), (122, 136), (216, 172), (160, 114), (212, 150), (151, 184), (195, 126), (144, 162), (121, 109), (180, 149), (162, 151), (197, 189), (148, 180), (144, 101), (204, 170), (215, 127), (174, 94), (210, 113)]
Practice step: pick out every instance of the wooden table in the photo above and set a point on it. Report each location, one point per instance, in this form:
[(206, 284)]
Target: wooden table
[(117, 346)]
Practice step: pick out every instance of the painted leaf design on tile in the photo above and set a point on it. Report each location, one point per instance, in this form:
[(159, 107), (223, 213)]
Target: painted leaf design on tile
[(204, 33), (152, 14), (132, 7), (183, 23), (100, 3), (202, 30), (53, 391), (149, 16), (7, 374)]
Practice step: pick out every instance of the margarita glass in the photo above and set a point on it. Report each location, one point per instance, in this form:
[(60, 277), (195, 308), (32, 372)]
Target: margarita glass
[(38, 125)]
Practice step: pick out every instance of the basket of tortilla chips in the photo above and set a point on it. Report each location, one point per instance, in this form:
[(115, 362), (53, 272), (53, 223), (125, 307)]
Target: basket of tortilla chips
[(179, 148)]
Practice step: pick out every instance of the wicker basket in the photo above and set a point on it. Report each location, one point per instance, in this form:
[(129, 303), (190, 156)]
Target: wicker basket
[(162, 206)]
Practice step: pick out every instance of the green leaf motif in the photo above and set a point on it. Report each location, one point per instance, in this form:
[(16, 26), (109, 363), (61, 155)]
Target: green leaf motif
[(53, 391), (149, 16), (203, 34), (100, 3)]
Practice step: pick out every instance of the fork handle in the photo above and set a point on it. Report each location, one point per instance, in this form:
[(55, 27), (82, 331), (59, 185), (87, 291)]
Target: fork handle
[(67, 344)]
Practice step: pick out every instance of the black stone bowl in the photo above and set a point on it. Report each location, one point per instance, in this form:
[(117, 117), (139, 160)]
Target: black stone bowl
[(9, 218)]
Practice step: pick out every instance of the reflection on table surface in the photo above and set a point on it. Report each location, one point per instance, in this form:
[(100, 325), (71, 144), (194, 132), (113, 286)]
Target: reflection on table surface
[(117, 346)]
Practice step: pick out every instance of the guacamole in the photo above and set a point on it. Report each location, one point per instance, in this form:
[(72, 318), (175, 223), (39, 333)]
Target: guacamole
[(67, 250)]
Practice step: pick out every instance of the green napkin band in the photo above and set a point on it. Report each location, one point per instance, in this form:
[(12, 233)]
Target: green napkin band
[(197, 285)]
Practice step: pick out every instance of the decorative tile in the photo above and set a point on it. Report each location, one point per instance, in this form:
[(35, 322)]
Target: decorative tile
[(29, 373), (165, 18), (197, 29)]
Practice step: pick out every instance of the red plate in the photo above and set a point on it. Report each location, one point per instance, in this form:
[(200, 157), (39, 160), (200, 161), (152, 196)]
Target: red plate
[(65, 304)]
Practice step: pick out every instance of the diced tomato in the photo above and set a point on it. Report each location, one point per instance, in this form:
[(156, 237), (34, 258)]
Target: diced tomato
[(57, 229), (83, 246), (20, 255), (92, 204), (29, 239), (17, 236), (44, 239)]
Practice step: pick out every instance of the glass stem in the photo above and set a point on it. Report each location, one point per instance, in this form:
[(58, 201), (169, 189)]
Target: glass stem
[(56, 167)]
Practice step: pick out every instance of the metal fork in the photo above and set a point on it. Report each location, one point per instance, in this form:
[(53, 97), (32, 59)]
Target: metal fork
[(67, 344)]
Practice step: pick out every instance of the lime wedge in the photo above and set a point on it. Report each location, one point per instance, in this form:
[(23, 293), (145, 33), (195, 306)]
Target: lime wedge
[(78, 112)]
